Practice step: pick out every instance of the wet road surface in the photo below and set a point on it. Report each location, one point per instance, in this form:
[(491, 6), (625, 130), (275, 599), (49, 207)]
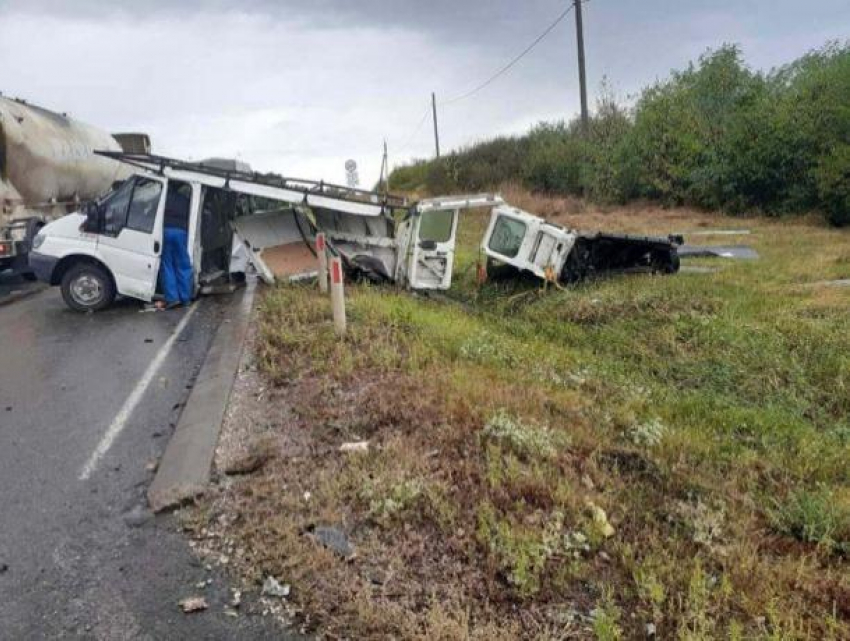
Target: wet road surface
[(79, 556), (14, 285)]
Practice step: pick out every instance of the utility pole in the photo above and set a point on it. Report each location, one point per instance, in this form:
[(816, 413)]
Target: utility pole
[(581, 73), (385, 170), (436, 130)]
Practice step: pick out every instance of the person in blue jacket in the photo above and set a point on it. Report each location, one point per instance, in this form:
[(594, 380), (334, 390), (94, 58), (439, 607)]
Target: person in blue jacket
[(176, 271)]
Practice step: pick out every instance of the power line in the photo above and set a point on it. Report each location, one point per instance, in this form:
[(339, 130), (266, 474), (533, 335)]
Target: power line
[(490, 80), (513, 62), (406, 144)]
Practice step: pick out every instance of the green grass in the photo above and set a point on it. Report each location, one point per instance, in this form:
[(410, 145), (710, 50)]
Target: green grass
[(706, 416)]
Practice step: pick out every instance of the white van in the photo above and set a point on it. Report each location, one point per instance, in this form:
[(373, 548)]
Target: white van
[(113, 247)]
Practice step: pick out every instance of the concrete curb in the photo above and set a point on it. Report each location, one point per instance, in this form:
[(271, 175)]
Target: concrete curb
[(184, 470)]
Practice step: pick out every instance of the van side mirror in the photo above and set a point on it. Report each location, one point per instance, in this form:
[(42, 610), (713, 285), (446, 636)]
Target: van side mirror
[(92, 222)]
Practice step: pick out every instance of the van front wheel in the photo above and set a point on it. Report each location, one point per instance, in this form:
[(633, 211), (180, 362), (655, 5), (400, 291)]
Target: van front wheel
[(87, 288)]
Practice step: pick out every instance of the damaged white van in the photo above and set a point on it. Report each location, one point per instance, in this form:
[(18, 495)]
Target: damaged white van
[(113, 247)]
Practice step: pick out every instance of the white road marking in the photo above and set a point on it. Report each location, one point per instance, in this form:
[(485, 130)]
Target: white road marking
[(126, 411)]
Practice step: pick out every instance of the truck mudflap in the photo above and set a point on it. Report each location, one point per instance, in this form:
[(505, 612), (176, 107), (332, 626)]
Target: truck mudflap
[(279, 244)]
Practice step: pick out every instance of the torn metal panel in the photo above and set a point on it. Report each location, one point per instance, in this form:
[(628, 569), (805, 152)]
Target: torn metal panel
[(278, 243), (416, 251), (739, 252)]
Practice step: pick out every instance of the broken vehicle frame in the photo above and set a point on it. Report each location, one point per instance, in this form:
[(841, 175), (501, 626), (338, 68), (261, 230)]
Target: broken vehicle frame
[(553, 253), (382, 237), (379, 236)]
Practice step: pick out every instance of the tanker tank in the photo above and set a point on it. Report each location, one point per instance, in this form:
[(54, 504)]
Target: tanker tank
[(47, 164), (47, 169)]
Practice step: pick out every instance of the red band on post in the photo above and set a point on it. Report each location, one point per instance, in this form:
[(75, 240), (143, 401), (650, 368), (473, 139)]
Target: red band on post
[(336, 271)]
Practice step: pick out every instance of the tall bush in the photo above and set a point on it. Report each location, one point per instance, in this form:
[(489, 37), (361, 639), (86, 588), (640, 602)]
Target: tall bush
[(716, 135)]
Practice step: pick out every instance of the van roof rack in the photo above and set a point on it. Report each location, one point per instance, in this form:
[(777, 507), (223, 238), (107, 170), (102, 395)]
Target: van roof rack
[(158, 164)]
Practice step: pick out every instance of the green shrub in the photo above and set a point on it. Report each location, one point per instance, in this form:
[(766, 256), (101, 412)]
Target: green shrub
[(716, 135), (833, 180)]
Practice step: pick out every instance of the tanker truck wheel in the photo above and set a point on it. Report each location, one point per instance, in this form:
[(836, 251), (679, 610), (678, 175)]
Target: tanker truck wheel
[(87, 288)]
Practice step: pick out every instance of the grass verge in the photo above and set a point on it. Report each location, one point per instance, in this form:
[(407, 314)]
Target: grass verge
[(640, 451)]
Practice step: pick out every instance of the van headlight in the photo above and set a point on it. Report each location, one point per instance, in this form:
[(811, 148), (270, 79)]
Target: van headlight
[(38, 241)]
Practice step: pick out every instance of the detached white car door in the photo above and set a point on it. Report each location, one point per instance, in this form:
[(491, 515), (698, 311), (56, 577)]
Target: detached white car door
[(130, 243), (432, 250)]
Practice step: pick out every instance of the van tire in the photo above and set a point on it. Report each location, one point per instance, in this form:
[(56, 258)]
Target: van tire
[(87, 287)]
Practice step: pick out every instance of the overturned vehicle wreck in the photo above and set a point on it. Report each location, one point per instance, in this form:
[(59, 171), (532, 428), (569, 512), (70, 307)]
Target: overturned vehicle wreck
[(236, 217), (529, 243)]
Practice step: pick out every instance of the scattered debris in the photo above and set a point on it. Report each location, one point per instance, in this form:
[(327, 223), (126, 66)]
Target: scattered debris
[(359, 446), (650, 630), (253, 458), (738, 252), (236, 601), (138, 516), (272, 587), (4, 567), (335, 540), (151, 465), (193, 604)]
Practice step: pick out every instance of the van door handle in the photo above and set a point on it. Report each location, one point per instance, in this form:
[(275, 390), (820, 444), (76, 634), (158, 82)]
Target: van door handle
[(156, 247)]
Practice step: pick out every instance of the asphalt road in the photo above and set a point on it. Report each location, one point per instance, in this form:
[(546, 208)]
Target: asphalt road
[(13, 286), (79, 555)]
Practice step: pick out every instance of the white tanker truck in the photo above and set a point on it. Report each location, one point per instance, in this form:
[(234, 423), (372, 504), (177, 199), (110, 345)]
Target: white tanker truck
[(47, 169)]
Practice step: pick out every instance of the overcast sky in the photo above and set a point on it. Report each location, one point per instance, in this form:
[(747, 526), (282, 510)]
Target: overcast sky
[(299, 86)]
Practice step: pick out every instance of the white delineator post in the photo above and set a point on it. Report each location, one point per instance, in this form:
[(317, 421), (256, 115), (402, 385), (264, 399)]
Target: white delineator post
[(322, 255), (337, 294)]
